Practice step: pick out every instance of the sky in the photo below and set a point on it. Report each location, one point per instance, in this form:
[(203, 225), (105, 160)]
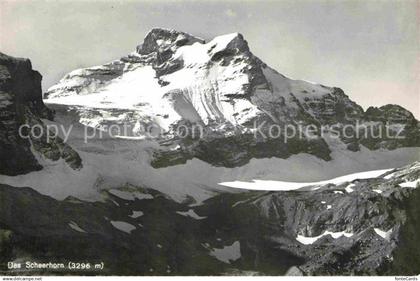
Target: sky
[(370, 49)]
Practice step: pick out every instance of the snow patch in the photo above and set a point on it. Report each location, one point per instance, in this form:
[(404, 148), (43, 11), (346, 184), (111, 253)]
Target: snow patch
[(75, 227), (227, 253), (123, 226), (412, 184), (384, 234), (136, 214), (349, 188), (190, 213), (310, 240), (284, 186)]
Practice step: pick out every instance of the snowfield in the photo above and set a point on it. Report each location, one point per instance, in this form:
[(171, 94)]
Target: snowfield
[(199, 91), (284, 186), (112, 164)]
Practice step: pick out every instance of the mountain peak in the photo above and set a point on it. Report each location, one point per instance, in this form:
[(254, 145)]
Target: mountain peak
[(234, 40), (176, 79), (161, 39), (165, 41)]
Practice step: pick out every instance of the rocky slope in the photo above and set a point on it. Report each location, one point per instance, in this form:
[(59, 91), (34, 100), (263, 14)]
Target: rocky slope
[(21, 104), (357, 227)]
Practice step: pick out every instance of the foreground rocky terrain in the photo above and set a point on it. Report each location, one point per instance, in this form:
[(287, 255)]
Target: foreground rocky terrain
[(363, 227), (175, 80), (229, 202)]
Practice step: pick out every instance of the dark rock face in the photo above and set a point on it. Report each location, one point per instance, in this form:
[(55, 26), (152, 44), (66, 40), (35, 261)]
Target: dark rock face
[(21, 103), (20, 88), (163, 40), (238, 150), (334, 108), (160, 44), (390, 113), (398, 121), (22, 83), (363, 227)]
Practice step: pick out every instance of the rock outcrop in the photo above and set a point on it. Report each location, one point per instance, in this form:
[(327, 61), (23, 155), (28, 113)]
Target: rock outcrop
[(21, 104)]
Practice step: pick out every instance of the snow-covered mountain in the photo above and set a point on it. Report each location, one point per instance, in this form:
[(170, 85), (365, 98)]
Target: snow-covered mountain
[(229, 201), (175, 80)]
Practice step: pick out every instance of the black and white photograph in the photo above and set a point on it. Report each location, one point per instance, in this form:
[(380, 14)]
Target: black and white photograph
[(144, 138)]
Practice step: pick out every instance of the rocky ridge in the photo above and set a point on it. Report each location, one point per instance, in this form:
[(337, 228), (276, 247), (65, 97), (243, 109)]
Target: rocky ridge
[(21, 104)]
